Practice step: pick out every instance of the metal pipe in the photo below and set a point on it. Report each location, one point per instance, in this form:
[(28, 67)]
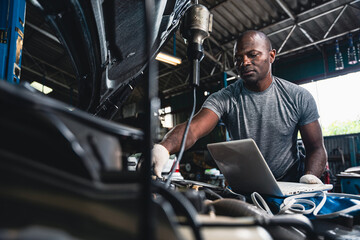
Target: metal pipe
[(308, 37), (286, 9), (173, 70), (303, 21), (45, 33), (335, 21), (317, 42), (50, 65), (301, 14), (195, 72), (319, 15), (306, 34), (213, 59), (279, 31), (212, 39), (287, 38), (213, 70), (48, 78)]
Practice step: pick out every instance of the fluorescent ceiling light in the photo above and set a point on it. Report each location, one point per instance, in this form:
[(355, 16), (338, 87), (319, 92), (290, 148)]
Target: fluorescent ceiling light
[(168, 59), (232, 78), (40, 87)]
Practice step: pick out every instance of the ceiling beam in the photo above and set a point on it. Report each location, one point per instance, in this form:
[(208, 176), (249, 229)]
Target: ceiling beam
[(305, 20), (265, 29), (56, 82), (307, 35), (302, 22), (212, 71), (287, 38), (299, 16), (183, 65), (43, 32), (294, 19), (50, 65), (317, 42), (286, 9), (335, 21), (212, 58)]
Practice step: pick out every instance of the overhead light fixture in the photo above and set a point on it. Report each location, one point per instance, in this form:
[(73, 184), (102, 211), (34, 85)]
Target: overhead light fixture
[(40, 87), (352, 59), (339, 64), (168, 59), (233, 78)]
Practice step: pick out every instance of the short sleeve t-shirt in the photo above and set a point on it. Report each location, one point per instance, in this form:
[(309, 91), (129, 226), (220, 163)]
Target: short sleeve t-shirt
[(272, 118)]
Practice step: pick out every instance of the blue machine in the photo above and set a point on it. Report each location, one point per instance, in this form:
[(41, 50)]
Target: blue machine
[(12, 22), (350, 184)]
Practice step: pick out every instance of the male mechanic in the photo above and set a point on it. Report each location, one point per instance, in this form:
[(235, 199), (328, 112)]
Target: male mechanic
[(263, 107)]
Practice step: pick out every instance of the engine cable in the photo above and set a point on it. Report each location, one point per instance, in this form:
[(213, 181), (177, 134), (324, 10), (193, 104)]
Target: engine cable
[(297, 204), (182, 148)]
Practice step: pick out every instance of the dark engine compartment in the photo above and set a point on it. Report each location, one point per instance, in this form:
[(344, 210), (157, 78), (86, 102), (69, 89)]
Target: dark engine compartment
[(64, 176)]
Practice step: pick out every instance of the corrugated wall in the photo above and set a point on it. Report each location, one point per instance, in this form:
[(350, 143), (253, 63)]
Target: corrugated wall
[(343, 151)]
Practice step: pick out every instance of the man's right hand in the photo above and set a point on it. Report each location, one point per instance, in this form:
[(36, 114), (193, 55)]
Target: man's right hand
[(310, 179), (160, 156)]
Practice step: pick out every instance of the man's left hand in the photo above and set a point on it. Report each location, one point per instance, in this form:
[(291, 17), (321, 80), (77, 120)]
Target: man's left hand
[(310, 179)]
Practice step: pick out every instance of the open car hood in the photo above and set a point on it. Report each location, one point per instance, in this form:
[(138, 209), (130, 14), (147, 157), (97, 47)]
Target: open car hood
[(106, 41)]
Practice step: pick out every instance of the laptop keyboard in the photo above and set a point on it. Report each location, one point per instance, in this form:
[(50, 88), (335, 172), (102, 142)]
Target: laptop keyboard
[(291, 188)]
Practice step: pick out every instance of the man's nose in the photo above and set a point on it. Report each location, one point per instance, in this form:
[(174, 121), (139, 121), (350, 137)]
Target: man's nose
[(246, 61)]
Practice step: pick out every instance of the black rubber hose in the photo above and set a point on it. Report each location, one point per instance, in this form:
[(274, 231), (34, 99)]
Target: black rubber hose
[(180, 202)]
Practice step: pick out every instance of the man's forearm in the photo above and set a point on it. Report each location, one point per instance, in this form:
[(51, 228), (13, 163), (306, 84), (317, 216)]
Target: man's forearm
[(315, 161), (316, 156), (202, 123), (172, 140)]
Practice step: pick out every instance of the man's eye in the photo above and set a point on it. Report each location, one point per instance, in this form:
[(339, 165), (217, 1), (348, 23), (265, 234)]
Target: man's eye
[(252, 55)]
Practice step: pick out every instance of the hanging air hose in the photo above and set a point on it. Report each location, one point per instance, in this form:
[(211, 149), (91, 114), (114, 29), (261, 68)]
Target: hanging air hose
[(196, 26)]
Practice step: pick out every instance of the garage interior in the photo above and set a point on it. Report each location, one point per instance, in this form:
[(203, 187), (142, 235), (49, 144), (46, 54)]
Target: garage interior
[(303, 32)]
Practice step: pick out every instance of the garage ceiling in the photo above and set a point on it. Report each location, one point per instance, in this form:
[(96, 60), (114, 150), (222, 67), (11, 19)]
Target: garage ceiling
[(293, 26)]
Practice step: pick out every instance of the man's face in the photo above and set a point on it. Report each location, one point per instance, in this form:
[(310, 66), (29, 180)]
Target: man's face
[(253, 58)]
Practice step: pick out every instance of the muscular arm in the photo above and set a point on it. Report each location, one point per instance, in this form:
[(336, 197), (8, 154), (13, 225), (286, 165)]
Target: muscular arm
[(316, 156), (202, 124)]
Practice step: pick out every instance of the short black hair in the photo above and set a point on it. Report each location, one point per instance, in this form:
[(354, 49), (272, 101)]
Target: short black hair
[(260, 34)]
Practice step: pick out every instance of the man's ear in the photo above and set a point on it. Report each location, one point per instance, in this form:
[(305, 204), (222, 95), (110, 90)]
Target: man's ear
[(272, 55)]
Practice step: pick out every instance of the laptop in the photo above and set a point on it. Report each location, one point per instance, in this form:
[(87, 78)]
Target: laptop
[(246, 170)]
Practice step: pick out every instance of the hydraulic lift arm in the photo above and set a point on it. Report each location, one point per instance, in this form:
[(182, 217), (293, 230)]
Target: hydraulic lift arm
[(12, 22)]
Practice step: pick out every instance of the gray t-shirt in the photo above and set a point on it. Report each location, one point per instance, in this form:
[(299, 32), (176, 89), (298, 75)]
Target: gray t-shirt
[(272, 118)]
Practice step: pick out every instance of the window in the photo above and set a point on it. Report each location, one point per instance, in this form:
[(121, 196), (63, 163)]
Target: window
[(166, 118), (338, 102)]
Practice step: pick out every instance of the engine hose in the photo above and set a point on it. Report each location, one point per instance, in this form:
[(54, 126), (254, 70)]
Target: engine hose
[(179, 201), (274, 225), (235, 208), (212, 193)]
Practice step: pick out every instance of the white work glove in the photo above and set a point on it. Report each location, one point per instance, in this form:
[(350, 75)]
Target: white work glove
[(310, 179), (160, 156)]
